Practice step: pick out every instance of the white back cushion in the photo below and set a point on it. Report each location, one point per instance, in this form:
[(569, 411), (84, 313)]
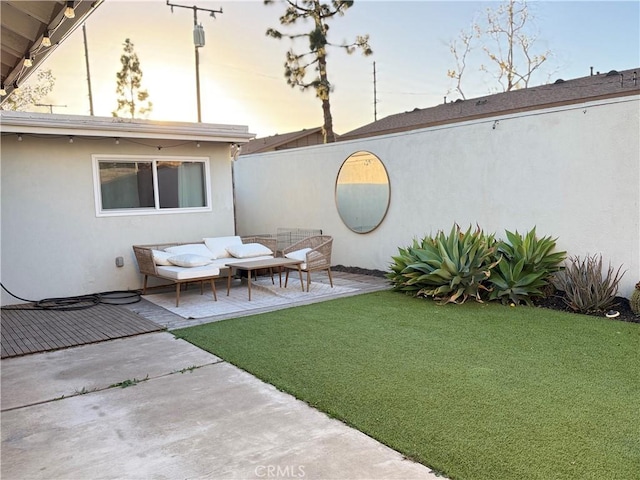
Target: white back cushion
[(218, 245), (161, 258)]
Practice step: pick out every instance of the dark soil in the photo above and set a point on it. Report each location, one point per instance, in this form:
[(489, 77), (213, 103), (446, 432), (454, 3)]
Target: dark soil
[(554, 301), (360, 271), (621, 305)]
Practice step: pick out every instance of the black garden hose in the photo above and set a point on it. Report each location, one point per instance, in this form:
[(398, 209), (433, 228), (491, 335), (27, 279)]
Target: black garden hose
[(114, 297)]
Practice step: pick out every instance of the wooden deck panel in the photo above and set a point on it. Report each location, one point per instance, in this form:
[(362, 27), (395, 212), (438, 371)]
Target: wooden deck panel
[(30, 330)]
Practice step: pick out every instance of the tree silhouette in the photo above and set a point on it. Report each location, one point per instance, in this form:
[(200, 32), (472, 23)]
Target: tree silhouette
[(296, 65), (29, 95), (132, 100), (507, 41)]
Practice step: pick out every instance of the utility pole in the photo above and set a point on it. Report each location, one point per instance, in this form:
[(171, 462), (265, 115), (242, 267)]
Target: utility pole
[(198, 42), (86, 58), (375, 96)]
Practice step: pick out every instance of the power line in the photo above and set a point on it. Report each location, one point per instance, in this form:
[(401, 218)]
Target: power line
[(50, 105)]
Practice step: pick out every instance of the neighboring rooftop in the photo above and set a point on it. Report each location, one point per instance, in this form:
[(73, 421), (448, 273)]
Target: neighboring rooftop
[(301, 138), (562, 92)]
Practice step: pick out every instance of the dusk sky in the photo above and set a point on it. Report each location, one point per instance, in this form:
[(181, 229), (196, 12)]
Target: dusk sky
[(241, 69)]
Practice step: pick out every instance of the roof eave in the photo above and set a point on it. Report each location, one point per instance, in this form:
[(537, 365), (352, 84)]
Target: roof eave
[(47, 124)]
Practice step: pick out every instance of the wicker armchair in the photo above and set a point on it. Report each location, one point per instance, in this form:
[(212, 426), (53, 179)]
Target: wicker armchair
[(316, 259)]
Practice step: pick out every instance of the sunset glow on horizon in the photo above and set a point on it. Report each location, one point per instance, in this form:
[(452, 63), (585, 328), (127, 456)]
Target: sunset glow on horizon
[(241, 70)]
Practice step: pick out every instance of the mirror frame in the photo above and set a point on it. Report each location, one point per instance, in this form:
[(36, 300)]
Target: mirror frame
[(388, 187)]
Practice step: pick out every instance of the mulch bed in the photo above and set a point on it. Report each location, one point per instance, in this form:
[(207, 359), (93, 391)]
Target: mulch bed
[(555, 301), (620, 305), (359, 271)]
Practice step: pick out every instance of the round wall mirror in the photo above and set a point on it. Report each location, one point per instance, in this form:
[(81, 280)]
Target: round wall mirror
[(362, 192)]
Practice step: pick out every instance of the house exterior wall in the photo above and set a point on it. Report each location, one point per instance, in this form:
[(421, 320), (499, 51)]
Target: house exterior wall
[(52, 242), (572, 172)]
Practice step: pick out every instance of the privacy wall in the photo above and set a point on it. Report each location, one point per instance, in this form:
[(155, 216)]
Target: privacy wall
[(572, 172)]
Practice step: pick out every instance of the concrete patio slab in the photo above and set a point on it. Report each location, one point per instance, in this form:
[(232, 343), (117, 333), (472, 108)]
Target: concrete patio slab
[(43, 377), (193, 417)]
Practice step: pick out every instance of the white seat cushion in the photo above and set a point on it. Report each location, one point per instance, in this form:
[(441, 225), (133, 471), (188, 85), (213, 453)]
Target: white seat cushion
[(218, 245), (181, 273), (298, 254)]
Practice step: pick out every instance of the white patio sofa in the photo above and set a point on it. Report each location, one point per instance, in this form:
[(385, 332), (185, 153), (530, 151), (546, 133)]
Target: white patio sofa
[(186, 262)]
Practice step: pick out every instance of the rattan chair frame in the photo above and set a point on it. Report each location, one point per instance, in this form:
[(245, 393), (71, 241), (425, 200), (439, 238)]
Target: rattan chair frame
[(317, 259)]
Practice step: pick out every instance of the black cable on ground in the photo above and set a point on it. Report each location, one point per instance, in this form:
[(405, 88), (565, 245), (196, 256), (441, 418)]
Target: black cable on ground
[(120, 297), (66, 303), (114, 297)]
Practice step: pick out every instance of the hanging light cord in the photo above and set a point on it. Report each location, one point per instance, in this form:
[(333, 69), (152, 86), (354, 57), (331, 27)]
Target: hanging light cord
[(114, 297)]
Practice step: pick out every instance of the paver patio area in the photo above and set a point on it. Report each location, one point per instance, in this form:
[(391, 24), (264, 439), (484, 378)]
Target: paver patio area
[(196, 309)]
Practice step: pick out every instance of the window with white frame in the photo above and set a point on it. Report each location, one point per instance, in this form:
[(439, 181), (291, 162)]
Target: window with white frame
[(135, 185)]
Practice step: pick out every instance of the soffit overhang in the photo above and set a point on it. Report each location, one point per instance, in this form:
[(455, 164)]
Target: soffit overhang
[(111, 127), (23, 25)]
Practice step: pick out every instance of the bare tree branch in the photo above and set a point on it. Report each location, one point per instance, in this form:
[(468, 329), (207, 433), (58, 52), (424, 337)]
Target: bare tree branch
[(506, 38)]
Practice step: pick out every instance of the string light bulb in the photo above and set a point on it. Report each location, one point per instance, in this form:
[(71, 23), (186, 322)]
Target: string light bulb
[(27, 60), (69, 12), (70, 139), (46, 39), (16, 88), (198, 144), (3, 91), (117, 141), (19, 137)]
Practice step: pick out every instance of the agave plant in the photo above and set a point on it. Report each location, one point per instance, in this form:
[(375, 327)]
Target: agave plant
[(401, 276), (448, 268), (586, 287), (511, 283), (537, 253), (528, 262)]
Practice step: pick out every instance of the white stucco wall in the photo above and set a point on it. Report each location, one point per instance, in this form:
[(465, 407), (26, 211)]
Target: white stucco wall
[(573, 172), (52, 242)]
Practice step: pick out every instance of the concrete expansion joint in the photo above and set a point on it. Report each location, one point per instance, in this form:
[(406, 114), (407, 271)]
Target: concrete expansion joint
[(130, 382)]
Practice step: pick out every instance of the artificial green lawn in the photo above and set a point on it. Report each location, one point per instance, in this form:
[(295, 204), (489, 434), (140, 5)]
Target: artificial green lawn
[(475, 391)]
